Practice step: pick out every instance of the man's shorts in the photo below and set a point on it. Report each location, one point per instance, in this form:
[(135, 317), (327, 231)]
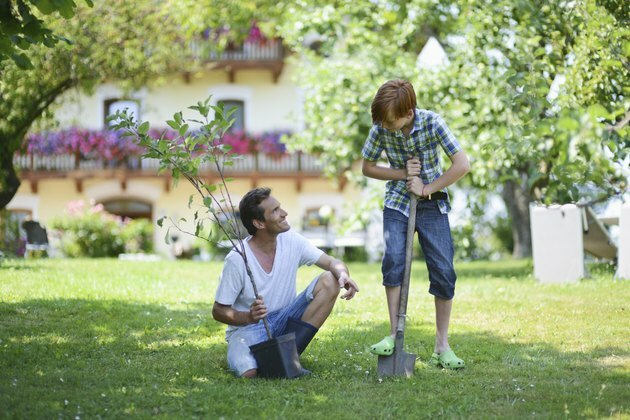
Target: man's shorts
[(434, 235), (240, 358)]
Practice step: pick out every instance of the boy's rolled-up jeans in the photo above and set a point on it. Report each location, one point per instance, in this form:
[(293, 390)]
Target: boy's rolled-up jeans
[(434, 235)]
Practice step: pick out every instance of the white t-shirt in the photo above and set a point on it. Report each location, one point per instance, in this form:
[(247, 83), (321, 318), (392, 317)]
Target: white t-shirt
[(277, 287)]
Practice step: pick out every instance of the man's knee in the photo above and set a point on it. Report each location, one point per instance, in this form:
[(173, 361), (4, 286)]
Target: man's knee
[(328, 285)]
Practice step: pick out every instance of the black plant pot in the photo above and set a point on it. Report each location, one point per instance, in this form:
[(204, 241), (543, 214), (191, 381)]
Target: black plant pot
[(277, 357)]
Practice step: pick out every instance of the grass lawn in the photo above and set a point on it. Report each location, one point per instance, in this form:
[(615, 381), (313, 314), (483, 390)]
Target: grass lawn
[(109, 338)]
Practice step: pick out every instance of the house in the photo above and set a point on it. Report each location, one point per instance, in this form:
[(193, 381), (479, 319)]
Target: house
[(253, 78)]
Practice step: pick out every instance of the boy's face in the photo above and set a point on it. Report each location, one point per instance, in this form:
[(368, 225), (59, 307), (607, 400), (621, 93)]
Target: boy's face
[(394, 124)]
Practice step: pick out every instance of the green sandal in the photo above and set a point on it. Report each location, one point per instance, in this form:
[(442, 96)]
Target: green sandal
[(385, 347), (449, 360), (434, 360)]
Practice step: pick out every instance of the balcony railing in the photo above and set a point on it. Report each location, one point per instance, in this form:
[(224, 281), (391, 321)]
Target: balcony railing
[(256, 163), (266, 55), (269, 50)]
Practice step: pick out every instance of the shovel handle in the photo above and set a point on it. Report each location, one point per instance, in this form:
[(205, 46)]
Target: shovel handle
[(404, 289)]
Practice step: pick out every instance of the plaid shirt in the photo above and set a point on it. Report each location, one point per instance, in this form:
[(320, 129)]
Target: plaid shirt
[(429, 131)]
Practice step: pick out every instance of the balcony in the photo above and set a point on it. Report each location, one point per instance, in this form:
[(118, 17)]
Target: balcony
[(34, 167), (265, 54)]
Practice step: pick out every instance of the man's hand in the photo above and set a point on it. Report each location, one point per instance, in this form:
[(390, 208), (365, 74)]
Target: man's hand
[(257, 310), (347, 283), (413, 167)]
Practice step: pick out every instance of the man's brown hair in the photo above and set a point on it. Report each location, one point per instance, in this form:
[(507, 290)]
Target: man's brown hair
[(393, 100), (250, 209)]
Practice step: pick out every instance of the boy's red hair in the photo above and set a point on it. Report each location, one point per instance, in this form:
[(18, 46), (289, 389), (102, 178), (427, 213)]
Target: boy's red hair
[(393, 100)]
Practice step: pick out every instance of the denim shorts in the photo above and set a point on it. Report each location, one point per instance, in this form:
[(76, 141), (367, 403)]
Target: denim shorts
[(240, 358), (434, 235)]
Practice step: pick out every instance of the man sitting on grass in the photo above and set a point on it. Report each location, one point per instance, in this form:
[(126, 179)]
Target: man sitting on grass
[(274, 254)]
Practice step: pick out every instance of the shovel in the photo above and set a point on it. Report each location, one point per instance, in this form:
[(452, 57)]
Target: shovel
[(400, 362)]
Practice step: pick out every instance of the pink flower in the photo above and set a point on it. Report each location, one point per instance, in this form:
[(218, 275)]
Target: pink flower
[(75, 207)]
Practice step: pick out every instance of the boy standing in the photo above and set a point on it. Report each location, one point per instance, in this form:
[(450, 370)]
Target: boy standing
[(411, 139)]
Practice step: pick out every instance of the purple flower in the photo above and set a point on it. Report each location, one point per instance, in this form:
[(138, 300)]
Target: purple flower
[(113, 146)]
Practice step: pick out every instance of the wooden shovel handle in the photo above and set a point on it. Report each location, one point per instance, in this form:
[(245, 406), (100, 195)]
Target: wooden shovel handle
[(404, 288)]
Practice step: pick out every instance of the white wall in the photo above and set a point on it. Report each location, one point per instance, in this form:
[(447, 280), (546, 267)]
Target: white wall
[(268, 105)]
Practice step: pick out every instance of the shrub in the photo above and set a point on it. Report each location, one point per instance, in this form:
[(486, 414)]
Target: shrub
[(89, 231), (12, 241), (138, 236)]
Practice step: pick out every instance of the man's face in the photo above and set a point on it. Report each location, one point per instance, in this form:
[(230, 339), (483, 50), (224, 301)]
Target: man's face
[(394, 124), (275, 216)]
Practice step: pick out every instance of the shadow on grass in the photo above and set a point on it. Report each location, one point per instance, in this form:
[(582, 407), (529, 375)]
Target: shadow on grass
[(14, 264), (110, 355), (501, 378), (62, 358), (482, 270), (509, 269)]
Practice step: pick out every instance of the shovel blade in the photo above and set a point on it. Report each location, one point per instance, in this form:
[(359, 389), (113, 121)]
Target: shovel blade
[(400, 363)]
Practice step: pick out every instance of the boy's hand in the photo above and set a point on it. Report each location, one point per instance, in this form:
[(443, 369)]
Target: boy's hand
[(415, 185), (257, 310), (413, 167)]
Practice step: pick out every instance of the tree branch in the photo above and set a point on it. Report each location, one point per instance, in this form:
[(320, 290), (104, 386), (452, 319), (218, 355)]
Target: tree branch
[(48, 98), (620, 124)]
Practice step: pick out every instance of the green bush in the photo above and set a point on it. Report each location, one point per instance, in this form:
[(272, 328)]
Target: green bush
[(89, 231), (479, 239), (12, 241), (138, 236)]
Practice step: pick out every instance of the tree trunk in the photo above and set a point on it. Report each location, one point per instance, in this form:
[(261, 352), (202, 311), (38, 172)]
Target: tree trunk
[(517, 198), (9, 182)]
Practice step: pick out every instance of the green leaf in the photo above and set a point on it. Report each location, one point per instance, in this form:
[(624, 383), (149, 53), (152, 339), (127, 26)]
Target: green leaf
[(598, 111), (66, 8), (45, 6), (22, 61), (144, 128), (568, 123), (160, 221), (173, 124), (183, 129)]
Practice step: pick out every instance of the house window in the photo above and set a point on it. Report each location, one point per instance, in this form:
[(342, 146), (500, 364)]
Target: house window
[(317, 218), (238, 116), (118, 104), (126, 208)]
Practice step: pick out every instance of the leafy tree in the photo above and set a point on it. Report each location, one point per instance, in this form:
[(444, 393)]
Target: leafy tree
[(126, 41), (505, 56), (531, 145), (20, 27)]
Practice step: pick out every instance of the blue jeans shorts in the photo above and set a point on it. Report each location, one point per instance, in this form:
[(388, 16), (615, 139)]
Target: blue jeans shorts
[(240, 358), (434, 235)]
